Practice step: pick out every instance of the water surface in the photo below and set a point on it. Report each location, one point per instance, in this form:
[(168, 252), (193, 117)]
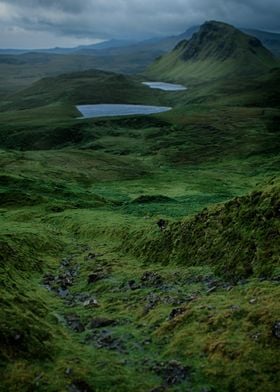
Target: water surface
[(165, 86), (109, 110)]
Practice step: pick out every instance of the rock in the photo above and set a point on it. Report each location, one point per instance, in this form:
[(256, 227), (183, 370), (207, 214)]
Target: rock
[(91, 303), (68, 371), (74, 323), (65, 263), (253, 301), (276, 329), (100, 322), (80, 386), (91, 256), (153, 299), (95, 277), (104, 339), (133, 285), (162, 224), (235, 308), (63, 293), (211, 290), (150, 278), (175, 312), (47, 278), (172, 372)]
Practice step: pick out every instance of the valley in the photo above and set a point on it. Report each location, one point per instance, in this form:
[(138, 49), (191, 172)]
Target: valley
[(141, 252)]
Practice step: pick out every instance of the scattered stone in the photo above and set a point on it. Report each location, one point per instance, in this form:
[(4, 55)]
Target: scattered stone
[(235, 308), (175, 312), (162, 224), (256, 336), (150, 278), (95, 277), (80, 386), (91, 256), (65, 263), (211, 290), (172, 372), (63, 293), (253, 301), (68, 371), (276, 329), (74, 323), (153, 299), (48, 279), (91, 303), (104, 339), (132, 284), (100, 322)]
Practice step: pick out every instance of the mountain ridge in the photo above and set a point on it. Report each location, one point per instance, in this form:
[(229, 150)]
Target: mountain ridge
[(216, 50)]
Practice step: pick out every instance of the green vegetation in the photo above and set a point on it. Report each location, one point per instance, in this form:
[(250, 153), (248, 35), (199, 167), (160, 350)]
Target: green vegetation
[(217, 51), (140, 253)]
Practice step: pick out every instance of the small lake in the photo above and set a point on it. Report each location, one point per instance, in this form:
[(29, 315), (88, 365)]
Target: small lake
[(165, 86), (109, 110)]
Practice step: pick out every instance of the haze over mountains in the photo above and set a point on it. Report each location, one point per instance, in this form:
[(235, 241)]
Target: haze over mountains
[(160, 44)]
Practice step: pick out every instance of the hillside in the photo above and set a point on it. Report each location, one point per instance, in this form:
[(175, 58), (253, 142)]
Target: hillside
[(141, 253), (91, 86), (217, 50)]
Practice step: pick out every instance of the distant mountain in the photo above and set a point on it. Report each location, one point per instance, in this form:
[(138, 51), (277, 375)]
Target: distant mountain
[(156, 46), (270, 40), (216, 50)]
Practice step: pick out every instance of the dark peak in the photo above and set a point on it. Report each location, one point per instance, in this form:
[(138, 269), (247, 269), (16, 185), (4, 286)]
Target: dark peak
[(213, 25), (220, 41)]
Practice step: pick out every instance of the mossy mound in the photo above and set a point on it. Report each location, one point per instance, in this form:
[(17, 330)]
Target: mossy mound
[(240, 239)]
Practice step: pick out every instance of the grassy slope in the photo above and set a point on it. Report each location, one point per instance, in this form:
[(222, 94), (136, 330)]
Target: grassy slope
[(217, 51), (81, 194)]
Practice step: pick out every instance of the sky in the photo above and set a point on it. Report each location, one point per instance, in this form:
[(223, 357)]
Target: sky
[(48, 23)]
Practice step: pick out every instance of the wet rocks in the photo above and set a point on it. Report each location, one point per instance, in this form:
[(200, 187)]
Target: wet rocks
[(276, 329), (60, 283), (172, 372)]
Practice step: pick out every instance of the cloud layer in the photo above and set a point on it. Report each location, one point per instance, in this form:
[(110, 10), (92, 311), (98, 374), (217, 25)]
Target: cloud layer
[(93, 19)]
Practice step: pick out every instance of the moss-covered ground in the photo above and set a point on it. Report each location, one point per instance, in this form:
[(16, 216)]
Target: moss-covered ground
[(95, 296)]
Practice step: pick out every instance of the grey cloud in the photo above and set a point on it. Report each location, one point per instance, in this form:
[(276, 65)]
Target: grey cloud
[(123, 18)]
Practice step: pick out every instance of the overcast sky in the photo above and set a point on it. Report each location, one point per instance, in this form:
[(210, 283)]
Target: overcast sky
[(48, 23)]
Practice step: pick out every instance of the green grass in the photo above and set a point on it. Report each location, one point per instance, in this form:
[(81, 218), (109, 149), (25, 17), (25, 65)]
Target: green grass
[(70, 187)]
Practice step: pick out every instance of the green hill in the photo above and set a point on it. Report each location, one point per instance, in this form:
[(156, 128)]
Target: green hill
[(141, 253), (217, 50), (92, 86)]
